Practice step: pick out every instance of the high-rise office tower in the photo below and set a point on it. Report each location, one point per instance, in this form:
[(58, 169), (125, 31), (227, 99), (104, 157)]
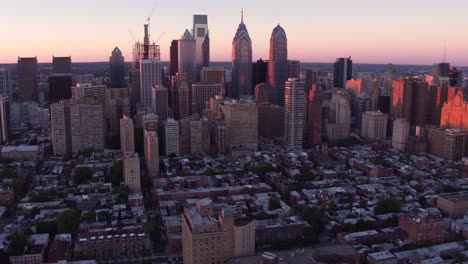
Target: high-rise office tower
[(117, 106), (174, 57), (400, 133), (317, 76), (202, 93), (76, 126), (455, 77), (314, 116), (150, 122), (441, 70), (294, 69), (5, 82), (187, 55), (145, 50), (262, 93), (200, 224), (454, 112), (160, 101), (60, 86), (60, 127), (27, 80), (180, 95), (206, 51), (339, 118), (363, 104), (199, 33), (213, 74), (87, 126), (191, 135), (278, 66), (152, 151), (150, 75), (270, 120), (402, 97), (259, 72), (127, 135), (89, 92), (170, 135), (419, 111), (241, 62), (342, 72), (132, 172), (446, 143), (4, 119), (241, 119), (294, 113), (374, 125), (117, 69), (61, 65)]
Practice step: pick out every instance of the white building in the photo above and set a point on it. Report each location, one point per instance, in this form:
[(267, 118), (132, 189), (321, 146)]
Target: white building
[(170, 137), (294, 113), (150, 75)]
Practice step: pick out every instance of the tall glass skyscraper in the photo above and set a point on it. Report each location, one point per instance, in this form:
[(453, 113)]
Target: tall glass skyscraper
[(117, 69), (187, 55), (278, 65), (200, 33), (241, 62)]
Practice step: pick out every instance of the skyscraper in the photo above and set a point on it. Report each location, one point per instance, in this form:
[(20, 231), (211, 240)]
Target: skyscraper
[(259, 72), (60, 127), (170, 135), (400, 133), (127, 135), (5, 82), (132, 172), (213, 74), (314, 116), (374, 125), (117, 69), (241, 62), (241, 119), (201, 95), (187, 55), (199, 33), (27, 80), (342, 72), (294, 113), (160, 100), (262, 93), (152, 151), (61, 65), (278, 66), (150, 75), (180, 95), (206, 51), (294, 69), (4, 119), (174, 57), (60, 86)]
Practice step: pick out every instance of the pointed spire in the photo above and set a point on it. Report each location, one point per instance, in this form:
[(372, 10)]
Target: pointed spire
[(242, 16), (444, 52)]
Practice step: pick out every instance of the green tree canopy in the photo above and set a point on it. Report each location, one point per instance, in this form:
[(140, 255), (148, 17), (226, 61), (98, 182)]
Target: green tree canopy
[(387, 205), (82, 175), (68, 221)]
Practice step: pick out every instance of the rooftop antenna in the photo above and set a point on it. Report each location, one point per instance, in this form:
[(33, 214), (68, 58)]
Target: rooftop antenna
[(242, 15), (444, 52)]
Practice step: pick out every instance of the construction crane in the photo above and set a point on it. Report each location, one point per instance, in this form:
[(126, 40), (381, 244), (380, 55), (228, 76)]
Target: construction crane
[(133, 36), (148, 19), (160, 37)]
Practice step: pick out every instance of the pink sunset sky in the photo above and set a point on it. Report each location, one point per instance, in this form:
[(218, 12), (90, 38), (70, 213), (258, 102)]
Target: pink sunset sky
[(398, 31)]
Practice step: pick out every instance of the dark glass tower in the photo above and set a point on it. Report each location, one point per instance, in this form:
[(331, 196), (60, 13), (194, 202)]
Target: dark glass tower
[(206, 51), (342, 72), (259, 72), (27, 80), (241, 62), (174, 56), (117, 69), (61, 64), (278, 66)]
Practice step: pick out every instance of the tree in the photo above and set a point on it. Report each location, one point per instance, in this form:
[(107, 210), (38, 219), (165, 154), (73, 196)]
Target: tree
[(104, 216), (153, 230), (68, 221), (274, 203), (122, 195), (249, 191), (312, 216), (18, 186), (18, 242), (46, 227), (90, 216), (116, 174), (82, 175), (8, 173), (209, 172), (363, 204), (387, 205)]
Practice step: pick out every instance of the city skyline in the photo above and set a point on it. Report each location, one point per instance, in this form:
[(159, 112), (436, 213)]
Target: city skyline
[(371, 32)]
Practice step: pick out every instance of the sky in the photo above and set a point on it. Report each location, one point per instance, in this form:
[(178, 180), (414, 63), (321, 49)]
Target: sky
[(371, 31)]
